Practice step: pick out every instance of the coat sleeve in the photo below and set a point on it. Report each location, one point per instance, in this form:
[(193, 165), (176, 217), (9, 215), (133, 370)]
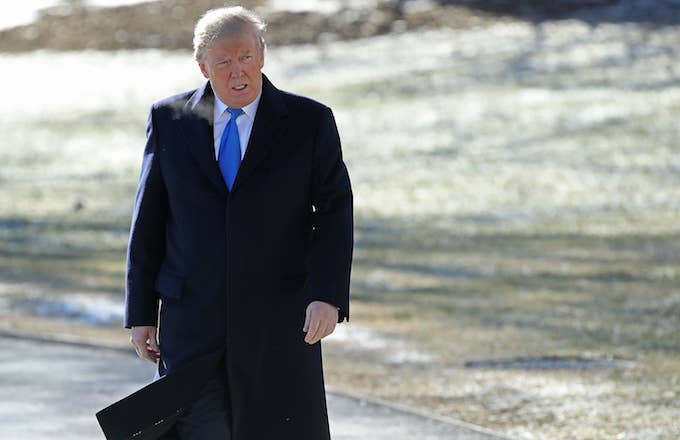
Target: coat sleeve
[(332, 220), (146, 247)]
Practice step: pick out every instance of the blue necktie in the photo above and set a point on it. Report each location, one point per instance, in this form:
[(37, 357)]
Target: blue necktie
[(229, 157)]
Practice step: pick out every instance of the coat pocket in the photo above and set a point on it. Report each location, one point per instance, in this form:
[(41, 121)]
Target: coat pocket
[(169, 285)]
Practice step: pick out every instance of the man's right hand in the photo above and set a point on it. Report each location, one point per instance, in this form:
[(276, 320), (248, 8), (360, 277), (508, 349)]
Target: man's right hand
[(144, 340)]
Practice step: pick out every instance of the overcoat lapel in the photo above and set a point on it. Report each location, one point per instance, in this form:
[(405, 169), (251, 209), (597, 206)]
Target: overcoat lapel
[(197, 127), (267, 129)]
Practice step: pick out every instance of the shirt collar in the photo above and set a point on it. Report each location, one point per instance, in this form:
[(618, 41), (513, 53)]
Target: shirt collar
[(249, 110)]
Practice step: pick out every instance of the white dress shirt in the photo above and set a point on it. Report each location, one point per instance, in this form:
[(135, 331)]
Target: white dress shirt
[(244, 123)]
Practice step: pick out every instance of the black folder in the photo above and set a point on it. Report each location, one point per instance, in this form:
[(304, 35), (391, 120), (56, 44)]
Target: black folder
[(150, 411)]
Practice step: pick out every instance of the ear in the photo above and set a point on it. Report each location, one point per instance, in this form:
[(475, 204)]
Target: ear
[(204, 71)]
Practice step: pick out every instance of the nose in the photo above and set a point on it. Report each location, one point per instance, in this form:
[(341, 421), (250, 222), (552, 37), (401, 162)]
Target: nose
[(235, 70)]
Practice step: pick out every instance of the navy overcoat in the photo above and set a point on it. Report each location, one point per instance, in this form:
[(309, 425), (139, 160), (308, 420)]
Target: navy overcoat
[(235, 270)]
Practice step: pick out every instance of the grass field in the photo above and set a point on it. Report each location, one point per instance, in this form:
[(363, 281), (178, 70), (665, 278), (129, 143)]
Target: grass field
[(517, 194)]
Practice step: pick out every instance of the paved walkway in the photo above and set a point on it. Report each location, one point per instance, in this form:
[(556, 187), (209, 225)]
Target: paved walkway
[(51, 391)]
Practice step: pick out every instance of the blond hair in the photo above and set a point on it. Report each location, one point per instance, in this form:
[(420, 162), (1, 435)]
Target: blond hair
[(226, 22)]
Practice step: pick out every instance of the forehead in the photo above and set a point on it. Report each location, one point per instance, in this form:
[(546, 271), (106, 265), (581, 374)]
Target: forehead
[(233, 44)]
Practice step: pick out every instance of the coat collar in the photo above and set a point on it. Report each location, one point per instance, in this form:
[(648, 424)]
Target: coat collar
[(197, 126), (267, 129)]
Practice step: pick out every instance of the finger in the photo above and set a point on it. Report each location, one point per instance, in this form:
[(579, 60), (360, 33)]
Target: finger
[(154, 351), (323, 331), (319, 334), (311, 334), (142, 351), (331, 328), (308, 315), (148, 355), (153, 343), (153, 356), (139, 345), (150, 358), (313, 329)]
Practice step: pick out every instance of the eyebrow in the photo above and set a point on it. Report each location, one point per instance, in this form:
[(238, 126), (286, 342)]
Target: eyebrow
[(220, 58)]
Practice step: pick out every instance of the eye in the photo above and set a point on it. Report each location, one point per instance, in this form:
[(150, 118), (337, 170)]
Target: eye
[(246, 58)]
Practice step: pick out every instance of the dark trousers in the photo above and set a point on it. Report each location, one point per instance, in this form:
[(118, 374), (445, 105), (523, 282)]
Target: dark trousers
[(208, 417)]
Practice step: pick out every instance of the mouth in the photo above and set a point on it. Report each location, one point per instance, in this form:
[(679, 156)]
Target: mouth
[(240, 87)]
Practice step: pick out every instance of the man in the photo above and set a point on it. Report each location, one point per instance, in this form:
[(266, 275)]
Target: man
[(242, 232)]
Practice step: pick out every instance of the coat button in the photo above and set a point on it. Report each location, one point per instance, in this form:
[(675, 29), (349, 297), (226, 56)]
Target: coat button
[(287, 419)]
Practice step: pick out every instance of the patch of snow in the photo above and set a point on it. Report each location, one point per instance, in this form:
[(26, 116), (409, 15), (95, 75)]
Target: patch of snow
[(83, 308), (408, 357), (358, 337), (393, 351)]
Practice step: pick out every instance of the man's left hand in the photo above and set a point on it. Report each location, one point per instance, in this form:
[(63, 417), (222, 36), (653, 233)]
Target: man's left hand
[(320, 321)]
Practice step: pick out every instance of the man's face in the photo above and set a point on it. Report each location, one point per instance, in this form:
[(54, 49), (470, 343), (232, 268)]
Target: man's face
[(234, 67)]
